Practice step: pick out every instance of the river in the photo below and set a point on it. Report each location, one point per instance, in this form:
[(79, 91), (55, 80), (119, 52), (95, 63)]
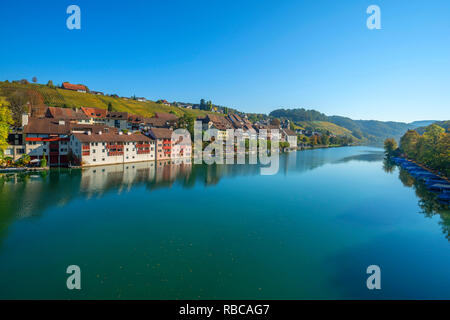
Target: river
[(183, 231)]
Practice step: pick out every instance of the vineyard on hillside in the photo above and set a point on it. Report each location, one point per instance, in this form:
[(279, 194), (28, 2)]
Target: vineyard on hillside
[(56, 97)]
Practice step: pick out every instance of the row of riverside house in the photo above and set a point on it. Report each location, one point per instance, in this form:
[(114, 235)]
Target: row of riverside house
[(91, 136)]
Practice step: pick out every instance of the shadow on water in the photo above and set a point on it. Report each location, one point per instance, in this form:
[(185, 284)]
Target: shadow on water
[(428, 202), (403, 275)]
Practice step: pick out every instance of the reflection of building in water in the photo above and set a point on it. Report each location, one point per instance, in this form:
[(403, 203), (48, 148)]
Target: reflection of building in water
[(102, 178), (168, 171)]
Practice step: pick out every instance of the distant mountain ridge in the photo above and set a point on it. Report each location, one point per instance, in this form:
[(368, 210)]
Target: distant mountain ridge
[(423, 123), (442, 124), (372, 132)]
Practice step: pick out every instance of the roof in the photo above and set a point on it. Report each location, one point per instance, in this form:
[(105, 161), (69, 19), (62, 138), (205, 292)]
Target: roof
[(117, 115), (166, 116), (76, 87), (133, 118), (289, 132), (94, 112), (51, 126), (111, 137), (220, 123), (66, 114), (156, 122), (46, 126), (161, 133)]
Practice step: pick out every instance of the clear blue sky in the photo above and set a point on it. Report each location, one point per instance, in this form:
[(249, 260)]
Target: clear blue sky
[(253, 55)]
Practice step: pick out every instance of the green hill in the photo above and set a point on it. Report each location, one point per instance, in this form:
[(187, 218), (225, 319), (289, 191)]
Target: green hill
[(442, 124), (324, 126), (56, 97), (368, 131)]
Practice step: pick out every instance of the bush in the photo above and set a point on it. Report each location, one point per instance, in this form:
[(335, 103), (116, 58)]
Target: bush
[(44, 162)]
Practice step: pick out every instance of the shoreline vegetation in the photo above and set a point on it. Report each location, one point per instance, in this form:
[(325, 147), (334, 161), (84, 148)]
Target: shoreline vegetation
[(430, 150)]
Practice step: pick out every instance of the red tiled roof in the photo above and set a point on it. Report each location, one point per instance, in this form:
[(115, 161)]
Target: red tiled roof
[(111, 137), (220, 123), (51, 126), (76, 87), (94, 112), (166, 116), (156, 122), (161, 133), (65, 114)]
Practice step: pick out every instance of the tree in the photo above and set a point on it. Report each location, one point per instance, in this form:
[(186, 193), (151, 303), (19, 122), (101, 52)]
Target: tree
[(34, 79), (390, 145), (50, 84), (110, 107), (202, 104), (325, 139), (186, 122), (43, 162), (5, 122), (17, 102), (431, 139), (408, 143), (209, 106), (431, 149), (275, 122)]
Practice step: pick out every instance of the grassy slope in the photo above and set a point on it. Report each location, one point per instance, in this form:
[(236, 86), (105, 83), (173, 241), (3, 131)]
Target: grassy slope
[(59, 98), (324, 125)]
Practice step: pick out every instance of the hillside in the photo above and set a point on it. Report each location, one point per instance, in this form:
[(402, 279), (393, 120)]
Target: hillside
[(373, 131), (423, 123), (442, 124), (368, 131), (56, 97), (324, 126)]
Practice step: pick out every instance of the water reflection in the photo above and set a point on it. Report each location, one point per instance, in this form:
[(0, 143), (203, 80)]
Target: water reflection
[(27, 195), (428, 202)]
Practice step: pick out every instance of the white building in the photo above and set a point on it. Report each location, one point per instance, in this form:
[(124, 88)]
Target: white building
[(91, 149)]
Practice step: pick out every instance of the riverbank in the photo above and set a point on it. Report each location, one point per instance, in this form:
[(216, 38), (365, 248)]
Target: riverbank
[(16, 170)]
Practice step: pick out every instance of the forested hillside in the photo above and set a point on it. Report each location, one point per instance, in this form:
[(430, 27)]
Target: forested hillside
[(368, 131)]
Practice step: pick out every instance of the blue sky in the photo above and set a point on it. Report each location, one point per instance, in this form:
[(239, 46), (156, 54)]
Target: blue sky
[(253, 55)]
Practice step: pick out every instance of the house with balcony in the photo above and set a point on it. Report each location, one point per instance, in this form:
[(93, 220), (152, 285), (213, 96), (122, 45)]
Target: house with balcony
[(101, 148), (163, 142), (50, 138)]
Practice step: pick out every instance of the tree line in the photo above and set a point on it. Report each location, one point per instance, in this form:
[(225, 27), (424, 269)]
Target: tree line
[(431, 149)]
